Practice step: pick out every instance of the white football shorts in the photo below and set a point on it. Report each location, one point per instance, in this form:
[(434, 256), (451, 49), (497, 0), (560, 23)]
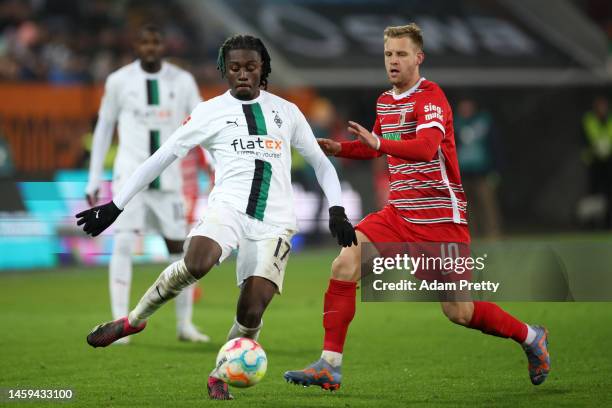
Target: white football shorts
[(154, 210), (263, 249)]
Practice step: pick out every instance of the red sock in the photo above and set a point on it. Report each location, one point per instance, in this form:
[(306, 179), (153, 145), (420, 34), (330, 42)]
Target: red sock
[(338, 312), (492, 319)]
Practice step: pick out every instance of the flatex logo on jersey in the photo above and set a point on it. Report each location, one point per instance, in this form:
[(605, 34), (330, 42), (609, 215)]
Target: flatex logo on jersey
[(258, 146), (153, 114), (433, 112)]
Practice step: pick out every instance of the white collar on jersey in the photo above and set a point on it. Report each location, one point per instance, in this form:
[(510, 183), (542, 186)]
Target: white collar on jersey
[(249, 102), (407, 93)]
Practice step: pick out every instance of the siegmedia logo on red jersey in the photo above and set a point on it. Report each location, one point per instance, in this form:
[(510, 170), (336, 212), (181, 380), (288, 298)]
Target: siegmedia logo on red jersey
[(433, 112)]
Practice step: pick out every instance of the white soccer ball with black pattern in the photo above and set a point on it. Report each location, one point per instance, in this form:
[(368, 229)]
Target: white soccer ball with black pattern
[(241, 362)]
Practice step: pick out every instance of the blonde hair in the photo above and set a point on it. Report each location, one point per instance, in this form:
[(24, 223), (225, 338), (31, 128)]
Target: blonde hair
[(411, 30)]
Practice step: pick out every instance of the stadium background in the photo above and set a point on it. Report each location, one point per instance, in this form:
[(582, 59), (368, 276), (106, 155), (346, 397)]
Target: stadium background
[(533, 69)]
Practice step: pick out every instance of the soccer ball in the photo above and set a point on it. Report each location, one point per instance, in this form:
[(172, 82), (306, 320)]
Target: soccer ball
[(241, 362)]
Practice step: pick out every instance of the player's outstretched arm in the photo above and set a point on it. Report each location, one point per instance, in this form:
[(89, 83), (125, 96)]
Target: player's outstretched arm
[(339, 225), (95, 220), (304, 142), (356, 149), (348, 150), (364, 135), (329, 147), (102, 137), (422, 148)]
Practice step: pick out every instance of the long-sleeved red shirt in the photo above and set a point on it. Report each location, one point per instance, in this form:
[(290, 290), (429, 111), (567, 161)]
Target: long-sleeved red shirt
[(422, 148)]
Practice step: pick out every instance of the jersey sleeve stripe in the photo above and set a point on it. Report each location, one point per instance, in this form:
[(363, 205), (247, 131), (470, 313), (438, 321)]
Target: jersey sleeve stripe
[(431, 124)]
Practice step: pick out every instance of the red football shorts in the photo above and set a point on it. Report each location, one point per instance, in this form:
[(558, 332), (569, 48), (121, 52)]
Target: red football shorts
[(387, 225), (442, 241)]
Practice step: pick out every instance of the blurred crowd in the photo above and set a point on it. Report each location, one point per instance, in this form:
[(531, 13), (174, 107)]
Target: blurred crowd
[(69, 41)]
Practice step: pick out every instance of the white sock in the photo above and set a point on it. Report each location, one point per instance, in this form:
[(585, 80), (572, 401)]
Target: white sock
[(184, 308), (120, 273), (531, 335), (239, 330), (172, 280), (183, 301), (332, 357)]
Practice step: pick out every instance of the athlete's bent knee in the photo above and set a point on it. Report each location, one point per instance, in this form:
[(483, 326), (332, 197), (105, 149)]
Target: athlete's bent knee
[(198, 265), (458, 312), (203, 253)]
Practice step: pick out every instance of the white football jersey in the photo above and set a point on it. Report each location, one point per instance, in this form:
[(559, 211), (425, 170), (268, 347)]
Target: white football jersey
[(148, 107), (250, 142)]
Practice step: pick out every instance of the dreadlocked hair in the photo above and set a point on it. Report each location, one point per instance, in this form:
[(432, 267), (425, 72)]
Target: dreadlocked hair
[(246, 42)]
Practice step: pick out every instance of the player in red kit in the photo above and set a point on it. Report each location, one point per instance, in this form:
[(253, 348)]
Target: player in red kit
[(414, 128)]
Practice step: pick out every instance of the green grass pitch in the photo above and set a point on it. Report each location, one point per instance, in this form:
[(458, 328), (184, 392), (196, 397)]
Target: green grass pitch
[(397, 354)]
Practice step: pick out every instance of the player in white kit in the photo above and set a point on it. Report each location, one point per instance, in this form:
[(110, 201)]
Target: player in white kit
[(249, 133), (147, 99)]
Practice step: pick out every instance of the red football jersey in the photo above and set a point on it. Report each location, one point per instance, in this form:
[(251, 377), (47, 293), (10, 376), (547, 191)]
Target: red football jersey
[(423, 192)]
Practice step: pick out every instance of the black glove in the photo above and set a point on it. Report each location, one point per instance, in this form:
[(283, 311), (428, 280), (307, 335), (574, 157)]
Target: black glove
[(97, 219), (340, 227)]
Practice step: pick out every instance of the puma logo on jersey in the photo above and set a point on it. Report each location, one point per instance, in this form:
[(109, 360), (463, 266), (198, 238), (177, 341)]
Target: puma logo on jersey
[(234, 122)]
